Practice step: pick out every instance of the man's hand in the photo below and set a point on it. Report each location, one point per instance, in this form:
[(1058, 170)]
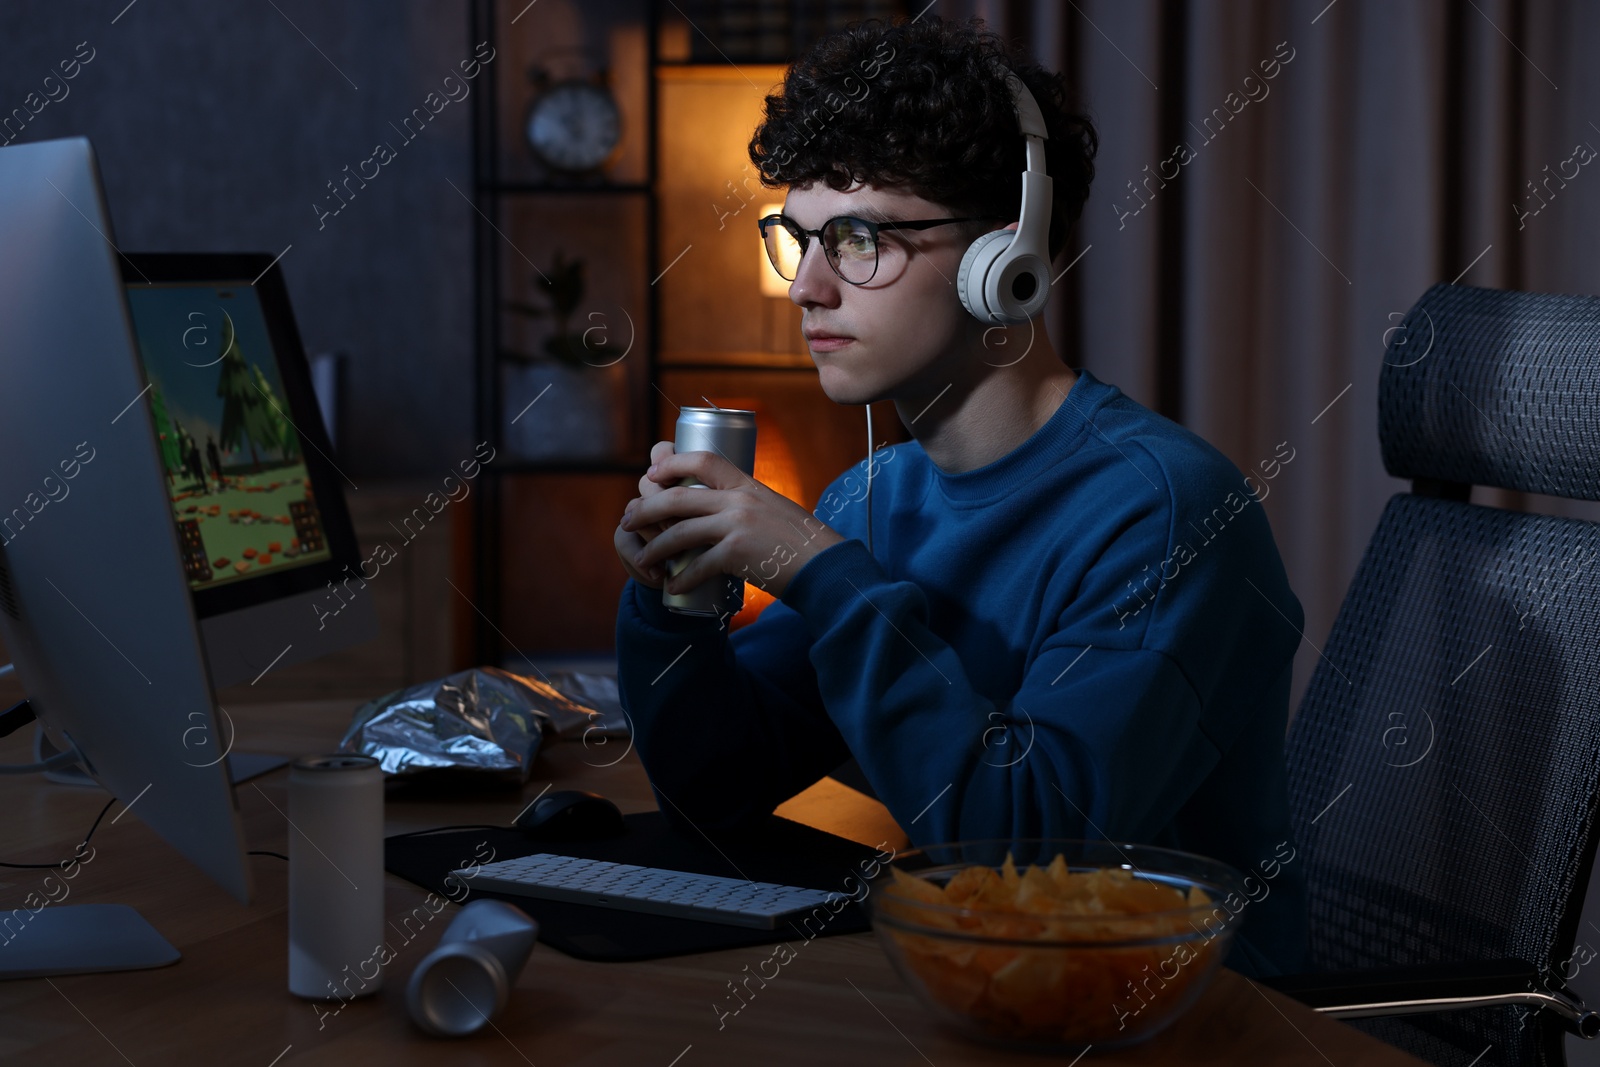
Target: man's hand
[(630, 543), (751, 532)]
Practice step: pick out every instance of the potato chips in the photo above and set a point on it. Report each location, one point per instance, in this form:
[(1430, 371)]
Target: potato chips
[(1115, 952)]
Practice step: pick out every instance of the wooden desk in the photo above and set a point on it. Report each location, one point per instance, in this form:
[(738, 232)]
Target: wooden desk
[(226, 1001)]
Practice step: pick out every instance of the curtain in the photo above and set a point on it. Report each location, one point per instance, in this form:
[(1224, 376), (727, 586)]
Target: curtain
[(1338, 159)]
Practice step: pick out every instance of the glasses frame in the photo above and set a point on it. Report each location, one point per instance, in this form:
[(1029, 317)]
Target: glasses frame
[(803, 237)]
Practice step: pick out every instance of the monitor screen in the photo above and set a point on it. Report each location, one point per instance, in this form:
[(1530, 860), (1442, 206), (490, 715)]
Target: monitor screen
[(232, 456)]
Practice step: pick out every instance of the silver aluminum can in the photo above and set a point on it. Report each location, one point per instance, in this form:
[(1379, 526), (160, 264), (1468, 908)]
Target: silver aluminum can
[(467, 979), (335, 876), (732, 434)]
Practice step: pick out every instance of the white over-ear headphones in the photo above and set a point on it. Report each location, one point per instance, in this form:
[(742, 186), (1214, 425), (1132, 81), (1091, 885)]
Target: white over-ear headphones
[(1005, 275)]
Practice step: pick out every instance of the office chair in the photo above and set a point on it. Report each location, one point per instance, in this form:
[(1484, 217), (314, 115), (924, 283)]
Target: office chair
[(1444, 766)]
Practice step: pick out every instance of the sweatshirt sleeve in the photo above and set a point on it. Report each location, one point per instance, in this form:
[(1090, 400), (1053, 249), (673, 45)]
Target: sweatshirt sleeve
[(727, 726), (1097, 741)]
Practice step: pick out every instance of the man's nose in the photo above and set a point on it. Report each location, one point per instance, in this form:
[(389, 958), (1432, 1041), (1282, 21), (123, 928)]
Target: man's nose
[(815, 283)]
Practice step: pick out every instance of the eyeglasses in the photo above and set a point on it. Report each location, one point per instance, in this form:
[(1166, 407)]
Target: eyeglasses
[(850, 244)]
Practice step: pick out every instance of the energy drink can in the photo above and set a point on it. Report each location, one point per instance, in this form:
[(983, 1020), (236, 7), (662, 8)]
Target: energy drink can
[(335, 876), (731, 434), (467, 979)]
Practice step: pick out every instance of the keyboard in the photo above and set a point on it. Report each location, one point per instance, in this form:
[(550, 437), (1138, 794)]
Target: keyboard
[(655, 890)]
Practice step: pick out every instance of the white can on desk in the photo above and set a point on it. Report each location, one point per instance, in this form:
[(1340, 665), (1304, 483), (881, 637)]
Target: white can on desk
[(335, 876)]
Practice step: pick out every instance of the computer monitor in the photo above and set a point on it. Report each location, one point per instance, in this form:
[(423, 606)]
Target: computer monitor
[(96, 605), (268, 548)]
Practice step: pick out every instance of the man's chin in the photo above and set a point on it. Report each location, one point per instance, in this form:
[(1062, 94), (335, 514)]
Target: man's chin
[(842, 388)]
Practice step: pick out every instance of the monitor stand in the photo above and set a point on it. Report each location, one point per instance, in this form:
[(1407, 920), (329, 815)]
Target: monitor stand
[(43, 938), (79, 939), (242, 766)]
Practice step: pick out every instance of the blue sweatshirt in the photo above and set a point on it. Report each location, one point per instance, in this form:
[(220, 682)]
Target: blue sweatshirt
[(1091, 636)]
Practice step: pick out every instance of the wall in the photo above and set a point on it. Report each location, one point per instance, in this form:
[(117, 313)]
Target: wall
[(217, 128)]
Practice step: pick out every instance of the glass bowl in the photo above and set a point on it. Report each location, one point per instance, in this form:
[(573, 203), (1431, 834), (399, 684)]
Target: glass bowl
[(1038, 960)]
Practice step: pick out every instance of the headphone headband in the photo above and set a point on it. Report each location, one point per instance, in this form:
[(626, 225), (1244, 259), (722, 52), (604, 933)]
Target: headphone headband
[(1005, 275), (1030, 120)]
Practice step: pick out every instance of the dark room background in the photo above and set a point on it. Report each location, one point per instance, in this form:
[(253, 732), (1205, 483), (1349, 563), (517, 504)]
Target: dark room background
[(1248, 293), (1278, 182)]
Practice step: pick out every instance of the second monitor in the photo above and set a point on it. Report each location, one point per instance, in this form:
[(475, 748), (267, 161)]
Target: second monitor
[(256, 494)]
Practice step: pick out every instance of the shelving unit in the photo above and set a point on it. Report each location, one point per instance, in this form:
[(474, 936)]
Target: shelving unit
[(542, 571), (490, 195)]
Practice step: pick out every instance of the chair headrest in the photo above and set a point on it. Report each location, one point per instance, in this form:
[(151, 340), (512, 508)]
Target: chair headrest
[(1494, 387)]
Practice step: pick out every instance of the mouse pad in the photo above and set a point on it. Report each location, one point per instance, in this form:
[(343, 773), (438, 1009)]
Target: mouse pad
[(780, 850)]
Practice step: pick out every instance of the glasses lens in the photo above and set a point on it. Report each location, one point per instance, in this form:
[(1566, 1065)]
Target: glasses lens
[(851, 246), (783, 249)]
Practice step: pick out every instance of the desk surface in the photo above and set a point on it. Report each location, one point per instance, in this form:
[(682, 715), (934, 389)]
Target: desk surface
[(226, 1001)]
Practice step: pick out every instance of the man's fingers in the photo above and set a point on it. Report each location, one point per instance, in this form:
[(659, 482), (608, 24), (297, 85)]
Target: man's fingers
[(685, 534), (711, 469), (701, 569), (652, 531), (670, 504), (627, 544)]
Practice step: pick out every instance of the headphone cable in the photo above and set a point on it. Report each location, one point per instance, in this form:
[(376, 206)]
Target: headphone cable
[(869, 477)]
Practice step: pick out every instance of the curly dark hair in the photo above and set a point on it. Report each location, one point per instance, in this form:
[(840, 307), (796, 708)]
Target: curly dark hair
[(923, 105)]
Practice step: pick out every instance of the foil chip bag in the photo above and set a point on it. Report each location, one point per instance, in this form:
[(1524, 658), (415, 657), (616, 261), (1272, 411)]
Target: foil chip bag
[(483, 719)]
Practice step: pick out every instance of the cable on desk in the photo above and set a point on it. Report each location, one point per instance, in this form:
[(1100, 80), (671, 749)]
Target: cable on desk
[(264, 852), (76, 853), (442, 829)]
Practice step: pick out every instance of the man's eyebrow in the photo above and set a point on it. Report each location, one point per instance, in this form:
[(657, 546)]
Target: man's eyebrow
[(871, 213)]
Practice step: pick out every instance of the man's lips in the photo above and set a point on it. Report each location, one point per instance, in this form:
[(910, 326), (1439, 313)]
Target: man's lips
[(821, 341)]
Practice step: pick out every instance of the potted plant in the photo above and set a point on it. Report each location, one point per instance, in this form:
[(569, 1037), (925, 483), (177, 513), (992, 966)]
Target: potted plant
[(563, 287), (575, 377)]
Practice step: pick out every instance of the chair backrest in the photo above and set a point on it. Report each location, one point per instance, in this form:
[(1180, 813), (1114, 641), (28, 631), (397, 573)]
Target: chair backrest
[(1445, 760)]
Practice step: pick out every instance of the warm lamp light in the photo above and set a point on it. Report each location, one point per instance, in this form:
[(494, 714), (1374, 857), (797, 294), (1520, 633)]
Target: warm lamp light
[(772, 283)]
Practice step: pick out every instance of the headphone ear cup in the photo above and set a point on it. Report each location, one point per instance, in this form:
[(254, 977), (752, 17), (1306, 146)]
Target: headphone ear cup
[(975, 265)]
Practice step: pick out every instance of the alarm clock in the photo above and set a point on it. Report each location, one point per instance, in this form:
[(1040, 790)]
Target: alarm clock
[(574, 126)]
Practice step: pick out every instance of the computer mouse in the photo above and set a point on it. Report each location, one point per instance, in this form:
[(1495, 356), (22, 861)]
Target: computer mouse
[(571, 815)]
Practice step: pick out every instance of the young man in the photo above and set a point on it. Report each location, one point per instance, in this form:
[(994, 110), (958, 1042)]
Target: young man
[(1073, 621)]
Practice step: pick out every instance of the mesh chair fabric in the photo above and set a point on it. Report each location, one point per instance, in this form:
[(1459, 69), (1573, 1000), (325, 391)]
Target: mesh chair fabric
[(1491, 387), (1446, 756)]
